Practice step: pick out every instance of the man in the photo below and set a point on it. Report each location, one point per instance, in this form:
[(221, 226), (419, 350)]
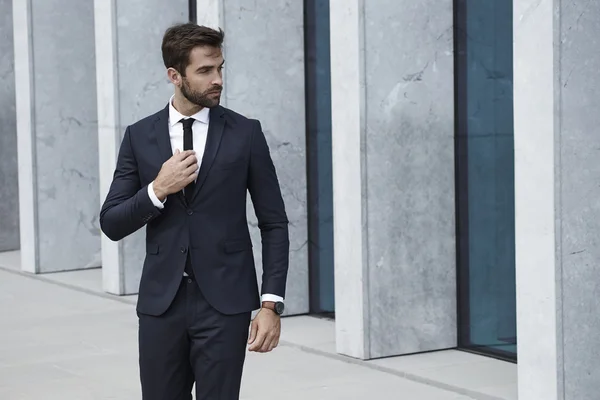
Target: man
[(184, 173)]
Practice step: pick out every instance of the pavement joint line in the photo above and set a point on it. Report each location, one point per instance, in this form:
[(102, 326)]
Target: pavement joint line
[(402, 374), (334, 356), (39, 277)]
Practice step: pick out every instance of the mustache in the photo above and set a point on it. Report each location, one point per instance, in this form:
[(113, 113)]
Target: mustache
[(216, 89)]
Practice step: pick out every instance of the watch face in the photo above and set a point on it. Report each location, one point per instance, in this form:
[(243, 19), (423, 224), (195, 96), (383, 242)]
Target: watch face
[(279, 307)]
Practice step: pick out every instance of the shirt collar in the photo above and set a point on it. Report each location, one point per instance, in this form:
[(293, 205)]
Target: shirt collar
[(175, 116)]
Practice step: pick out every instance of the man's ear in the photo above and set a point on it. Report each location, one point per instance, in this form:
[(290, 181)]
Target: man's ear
[(174, 76)]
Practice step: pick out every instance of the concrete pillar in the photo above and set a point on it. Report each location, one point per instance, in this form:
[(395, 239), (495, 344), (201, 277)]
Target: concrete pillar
[(264, 79), (132, 84), (556, 97), (56, 129), (393, 176), (9, 188)]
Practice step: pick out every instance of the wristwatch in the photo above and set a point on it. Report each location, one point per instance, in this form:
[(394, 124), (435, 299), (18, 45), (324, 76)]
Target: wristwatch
[(278, 306)]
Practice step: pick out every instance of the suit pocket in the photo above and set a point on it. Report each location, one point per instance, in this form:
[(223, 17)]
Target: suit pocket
[(151, 248), (237, 246)]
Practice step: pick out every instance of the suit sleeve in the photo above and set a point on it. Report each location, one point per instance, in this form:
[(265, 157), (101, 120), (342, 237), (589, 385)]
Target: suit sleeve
[(128, 206), (270, 210)]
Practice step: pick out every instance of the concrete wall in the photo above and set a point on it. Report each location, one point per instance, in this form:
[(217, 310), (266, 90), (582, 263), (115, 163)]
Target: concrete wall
[(393, 176), (132, 84), (57, 134), (264, 79), (9, 189), (557, 208)]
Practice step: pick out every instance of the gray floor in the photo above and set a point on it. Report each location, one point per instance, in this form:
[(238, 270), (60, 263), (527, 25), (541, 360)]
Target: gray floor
[(58, 341)]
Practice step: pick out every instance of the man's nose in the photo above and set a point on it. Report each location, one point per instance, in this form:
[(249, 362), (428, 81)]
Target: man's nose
[(218, 81)]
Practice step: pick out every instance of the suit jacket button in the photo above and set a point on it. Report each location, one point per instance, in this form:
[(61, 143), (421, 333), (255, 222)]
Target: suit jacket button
[(183, 249), (190, 212)]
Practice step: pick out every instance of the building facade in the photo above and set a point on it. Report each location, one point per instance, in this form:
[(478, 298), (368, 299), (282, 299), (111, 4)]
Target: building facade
[(437, 160)]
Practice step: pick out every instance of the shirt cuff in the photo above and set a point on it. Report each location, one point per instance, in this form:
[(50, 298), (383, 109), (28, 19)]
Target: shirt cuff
[(157, 203), (271, 297)]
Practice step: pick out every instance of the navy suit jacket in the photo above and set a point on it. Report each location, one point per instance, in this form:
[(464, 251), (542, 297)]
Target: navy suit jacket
[(212, 229)]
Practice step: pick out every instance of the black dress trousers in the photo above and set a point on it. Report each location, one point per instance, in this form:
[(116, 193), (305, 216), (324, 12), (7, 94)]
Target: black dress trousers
[(192, 343)]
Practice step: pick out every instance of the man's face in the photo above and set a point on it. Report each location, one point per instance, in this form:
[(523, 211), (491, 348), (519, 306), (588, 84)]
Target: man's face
[(203, 82)]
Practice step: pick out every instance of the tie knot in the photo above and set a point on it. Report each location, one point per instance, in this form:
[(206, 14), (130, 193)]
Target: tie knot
[(187, 122)]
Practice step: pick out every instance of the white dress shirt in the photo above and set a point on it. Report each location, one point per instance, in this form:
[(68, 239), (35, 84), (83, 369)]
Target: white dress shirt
[(200, 133)]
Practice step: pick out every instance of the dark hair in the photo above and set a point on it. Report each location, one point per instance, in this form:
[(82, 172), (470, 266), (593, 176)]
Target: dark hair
[(180, 39)]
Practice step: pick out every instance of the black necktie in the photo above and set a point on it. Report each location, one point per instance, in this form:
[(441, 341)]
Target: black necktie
[(188, 144)]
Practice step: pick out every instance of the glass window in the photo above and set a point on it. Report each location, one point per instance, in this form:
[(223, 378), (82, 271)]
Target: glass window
[(318, 132), (485, 176)]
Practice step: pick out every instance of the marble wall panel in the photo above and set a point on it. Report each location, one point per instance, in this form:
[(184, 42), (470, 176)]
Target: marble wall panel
[(9, 182)]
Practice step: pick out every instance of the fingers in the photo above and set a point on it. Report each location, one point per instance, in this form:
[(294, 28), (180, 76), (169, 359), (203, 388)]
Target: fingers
[(182, 155), (265, 342), (271, 342), (258, 342), (190, 179), (190, 170), (253, 331), (190, 159), (268, 345)]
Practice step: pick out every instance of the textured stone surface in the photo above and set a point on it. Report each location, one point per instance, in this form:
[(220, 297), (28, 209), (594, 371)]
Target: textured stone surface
[(534, 200), (9, 189), (410, 176), (264, 79), (556, 170), (58, 137), (400, 159), (143, 89), (349, 220), (579, 192), (132, 84)]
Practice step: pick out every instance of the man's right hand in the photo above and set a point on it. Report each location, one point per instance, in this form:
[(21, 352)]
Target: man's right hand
[(176, 173)]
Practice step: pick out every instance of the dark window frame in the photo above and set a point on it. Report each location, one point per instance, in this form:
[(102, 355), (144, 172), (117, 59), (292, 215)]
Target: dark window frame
[(193, 11), (313, 168)]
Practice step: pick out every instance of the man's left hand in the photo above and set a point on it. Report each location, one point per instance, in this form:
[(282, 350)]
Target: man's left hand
[(265, 331)]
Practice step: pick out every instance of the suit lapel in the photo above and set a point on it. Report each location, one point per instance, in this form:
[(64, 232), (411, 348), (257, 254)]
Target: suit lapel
[(163, 141), (215, 133), (161, 135)]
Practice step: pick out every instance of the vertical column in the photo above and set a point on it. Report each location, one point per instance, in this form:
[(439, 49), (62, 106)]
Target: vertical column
[(557, 90), (348, 134), (56, 129), (9, 188), (393, 174), (211, 13), (535, 242), (132, 84), (264, 79)]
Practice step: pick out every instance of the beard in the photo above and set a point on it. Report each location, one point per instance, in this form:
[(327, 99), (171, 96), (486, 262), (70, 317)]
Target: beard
[(203, 99)]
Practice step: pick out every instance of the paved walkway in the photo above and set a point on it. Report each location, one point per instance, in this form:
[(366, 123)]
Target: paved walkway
[(58, 343)]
